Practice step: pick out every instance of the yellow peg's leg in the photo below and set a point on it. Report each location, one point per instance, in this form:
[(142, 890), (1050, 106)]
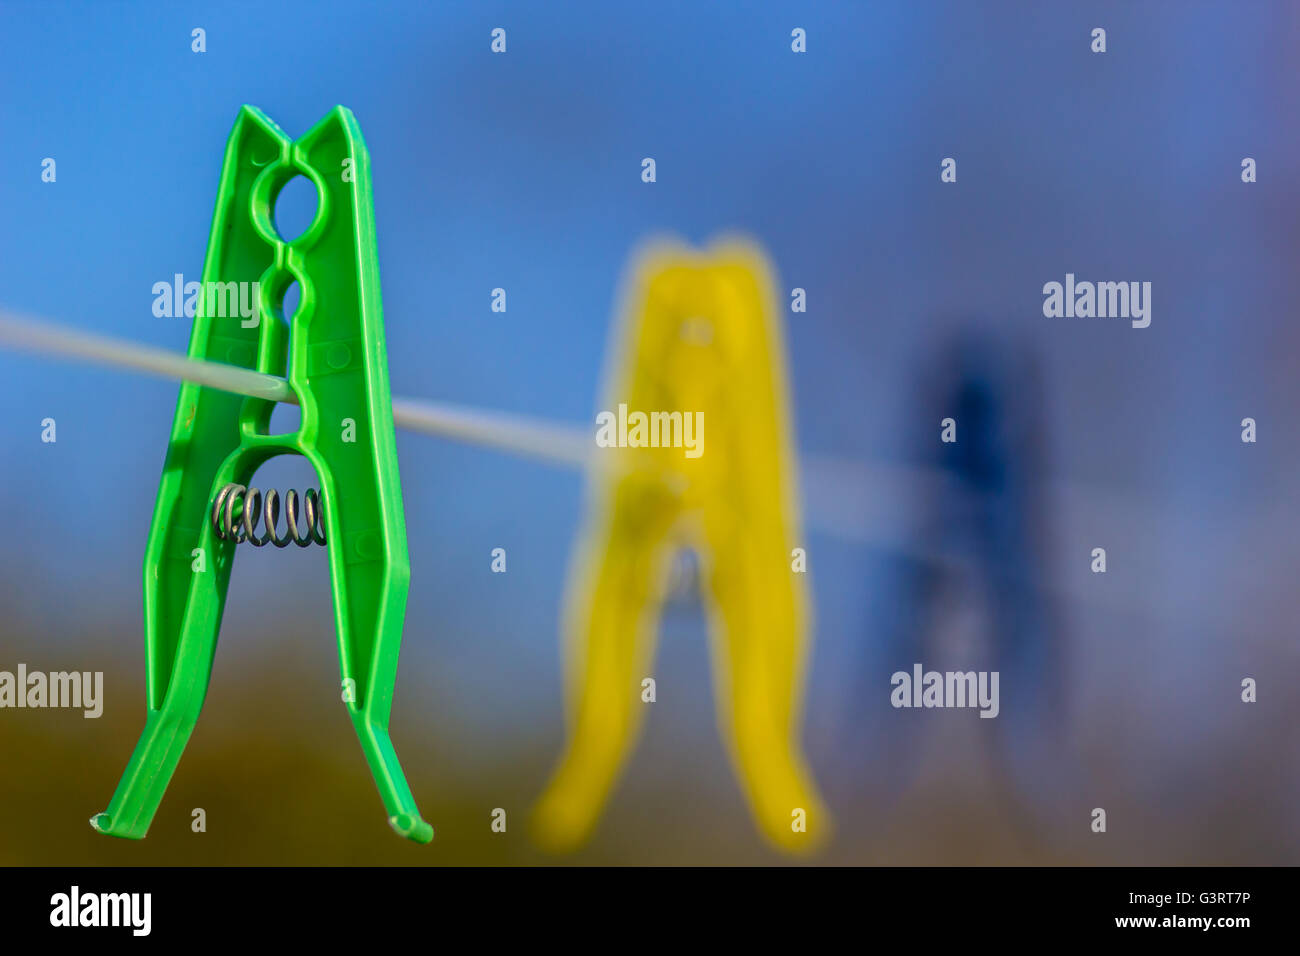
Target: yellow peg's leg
[(742, 488), (759, 637), (610, 629)]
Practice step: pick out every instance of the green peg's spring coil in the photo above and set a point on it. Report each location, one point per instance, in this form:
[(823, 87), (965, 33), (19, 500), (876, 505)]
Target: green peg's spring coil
[(242, 526)]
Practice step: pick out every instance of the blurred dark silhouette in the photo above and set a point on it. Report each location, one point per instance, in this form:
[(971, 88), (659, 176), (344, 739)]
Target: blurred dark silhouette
[(977, 566)]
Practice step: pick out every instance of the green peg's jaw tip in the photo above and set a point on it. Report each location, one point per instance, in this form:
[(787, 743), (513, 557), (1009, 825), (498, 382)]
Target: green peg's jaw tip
[(413, 828), (103, 823)]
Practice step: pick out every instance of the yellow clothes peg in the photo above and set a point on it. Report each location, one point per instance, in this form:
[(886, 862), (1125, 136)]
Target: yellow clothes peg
[(701, 338)]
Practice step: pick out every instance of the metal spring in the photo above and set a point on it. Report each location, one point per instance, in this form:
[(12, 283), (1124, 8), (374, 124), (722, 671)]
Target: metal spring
[(243, 527)]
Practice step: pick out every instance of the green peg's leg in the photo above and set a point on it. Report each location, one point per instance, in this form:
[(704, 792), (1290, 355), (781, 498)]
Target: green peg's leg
[(187, 571), (371, 574), (183, 605), (339, 366)]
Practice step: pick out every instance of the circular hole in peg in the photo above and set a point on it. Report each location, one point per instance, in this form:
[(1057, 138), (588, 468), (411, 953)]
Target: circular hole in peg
[(295, 207)]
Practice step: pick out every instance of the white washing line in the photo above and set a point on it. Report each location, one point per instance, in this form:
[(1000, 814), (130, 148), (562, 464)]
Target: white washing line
[(525, 436)]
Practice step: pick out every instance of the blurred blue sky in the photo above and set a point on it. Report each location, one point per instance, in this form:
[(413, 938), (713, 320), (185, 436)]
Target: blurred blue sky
[(523, 171)]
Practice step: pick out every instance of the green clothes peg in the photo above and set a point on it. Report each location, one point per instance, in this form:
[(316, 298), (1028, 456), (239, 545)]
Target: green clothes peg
[(337, 367)]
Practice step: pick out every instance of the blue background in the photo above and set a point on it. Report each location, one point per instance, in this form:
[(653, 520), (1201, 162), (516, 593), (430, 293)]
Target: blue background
[(522, 171)]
